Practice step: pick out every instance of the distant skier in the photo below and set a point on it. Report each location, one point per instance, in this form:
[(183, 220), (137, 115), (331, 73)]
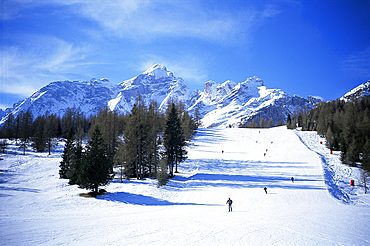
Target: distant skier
[(292, 179), (230, 202), (265, 189)]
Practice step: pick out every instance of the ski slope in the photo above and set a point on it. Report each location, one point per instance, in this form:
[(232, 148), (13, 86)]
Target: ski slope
[(319, 208)]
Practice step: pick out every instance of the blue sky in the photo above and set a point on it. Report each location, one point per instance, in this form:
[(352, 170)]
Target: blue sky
[(315, 47)]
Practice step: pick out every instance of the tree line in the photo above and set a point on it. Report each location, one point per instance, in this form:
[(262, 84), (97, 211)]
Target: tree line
[(144, 143), (42, 133), (345, 125)]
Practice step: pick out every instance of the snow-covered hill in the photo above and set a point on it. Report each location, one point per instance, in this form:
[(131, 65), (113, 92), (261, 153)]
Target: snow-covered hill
[(318, 208), (360, 91), (220, 105)]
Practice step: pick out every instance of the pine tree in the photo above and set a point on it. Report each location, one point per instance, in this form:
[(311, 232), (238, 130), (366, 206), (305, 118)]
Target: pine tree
[(137, 142), (96, 169), (25, 129), (197, 118), (174, 140), (366, 163), (330, 141), (52, 124), (74, 170), (108, 124), (9, 127), (67, 159), (154, 128), (289, 121), (39, 138), (366, 155)]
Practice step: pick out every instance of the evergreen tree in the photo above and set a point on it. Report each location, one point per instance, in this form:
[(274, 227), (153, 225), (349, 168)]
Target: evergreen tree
[(174, 140), (52, 124), (137, 142), (154, 128), (96, 169), (289, 121), (25, 129), (39, 138), (197, 118), (108, 124), (366, 155), (330, 141), (67, 159), (74, 170), (9, 127)]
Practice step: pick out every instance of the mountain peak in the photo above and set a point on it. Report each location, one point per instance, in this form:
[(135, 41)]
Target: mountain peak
[(158, 71), (360, 91), (256, 81)]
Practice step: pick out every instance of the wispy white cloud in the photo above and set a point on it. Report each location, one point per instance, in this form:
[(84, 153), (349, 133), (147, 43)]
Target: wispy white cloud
[(25, 69), (150, 19), (147, 19)]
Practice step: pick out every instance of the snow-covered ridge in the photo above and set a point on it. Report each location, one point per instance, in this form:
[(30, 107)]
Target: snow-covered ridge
[(360, 91), (219, 105)]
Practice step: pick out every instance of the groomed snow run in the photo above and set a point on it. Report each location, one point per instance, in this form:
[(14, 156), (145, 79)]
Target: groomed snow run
[(318, 208)]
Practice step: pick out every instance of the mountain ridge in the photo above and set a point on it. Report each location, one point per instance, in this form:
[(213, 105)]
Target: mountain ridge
[(219, 104)]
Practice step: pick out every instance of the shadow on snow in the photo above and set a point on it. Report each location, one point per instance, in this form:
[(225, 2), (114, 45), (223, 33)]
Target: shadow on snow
[(137, 199), (329, 174), (243, 181)]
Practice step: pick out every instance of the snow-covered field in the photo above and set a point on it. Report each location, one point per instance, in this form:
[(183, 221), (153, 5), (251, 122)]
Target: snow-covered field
[(319, 208)]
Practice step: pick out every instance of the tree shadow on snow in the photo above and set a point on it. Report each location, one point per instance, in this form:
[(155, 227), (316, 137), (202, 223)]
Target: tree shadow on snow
[(137, 199), (243, 181)]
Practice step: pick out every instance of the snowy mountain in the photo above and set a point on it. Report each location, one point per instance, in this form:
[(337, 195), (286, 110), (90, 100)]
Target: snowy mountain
[(230, 103), (156, 83), (360, 91), (57, 96), (219, 105)]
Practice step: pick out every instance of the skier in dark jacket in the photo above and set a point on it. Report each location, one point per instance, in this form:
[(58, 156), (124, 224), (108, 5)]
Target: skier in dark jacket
[(230, 202)]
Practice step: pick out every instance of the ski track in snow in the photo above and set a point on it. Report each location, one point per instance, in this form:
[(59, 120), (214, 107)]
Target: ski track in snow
[(319, 208)]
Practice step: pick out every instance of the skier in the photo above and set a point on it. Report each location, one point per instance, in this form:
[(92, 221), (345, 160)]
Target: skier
[(230, 202), (265, 189)]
